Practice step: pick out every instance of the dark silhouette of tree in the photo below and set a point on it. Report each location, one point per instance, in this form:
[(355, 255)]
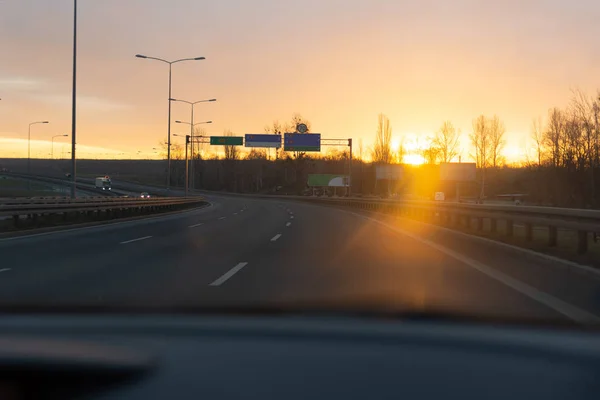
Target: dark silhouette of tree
[(480, 141), (446, 142), (496, 131), (382, 149), (537, 135)]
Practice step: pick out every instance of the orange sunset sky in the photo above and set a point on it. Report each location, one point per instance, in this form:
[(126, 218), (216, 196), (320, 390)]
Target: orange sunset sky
[(339, 63)]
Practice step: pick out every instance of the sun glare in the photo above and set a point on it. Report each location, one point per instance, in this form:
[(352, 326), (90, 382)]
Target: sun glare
[(414, 159)]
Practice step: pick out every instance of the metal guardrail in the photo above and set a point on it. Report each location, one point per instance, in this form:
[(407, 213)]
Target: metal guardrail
[(40, 213), (473, 216), (92, 204), (465, 215)]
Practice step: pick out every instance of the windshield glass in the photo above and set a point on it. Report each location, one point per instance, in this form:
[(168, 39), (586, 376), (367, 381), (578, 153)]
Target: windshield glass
[(438, 157)]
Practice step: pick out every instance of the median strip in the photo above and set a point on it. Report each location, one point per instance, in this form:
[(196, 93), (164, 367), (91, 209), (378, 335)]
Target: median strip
[(136, 240), (229, 274)]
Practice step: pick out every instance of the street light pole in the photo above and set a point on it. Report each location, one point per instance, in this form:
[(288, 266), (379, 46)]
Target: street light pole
[(169, 119), (192, 125), (74, 105), (169, 137), (187, 181), (192, 104), (52, 152)]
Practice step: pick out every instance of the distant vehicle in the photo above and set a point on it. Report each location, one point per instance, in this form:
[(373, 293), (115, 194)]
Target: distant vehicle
[(68, 175), (104, 183), (145, 195)]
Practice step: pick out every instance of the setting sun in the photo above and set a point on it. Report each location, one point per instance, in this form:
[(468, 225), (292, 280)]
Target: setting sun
[(413, 159)]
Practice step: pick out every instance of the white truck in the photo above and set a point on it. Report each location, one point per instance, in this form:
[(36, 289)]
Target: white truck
[(103, 182)]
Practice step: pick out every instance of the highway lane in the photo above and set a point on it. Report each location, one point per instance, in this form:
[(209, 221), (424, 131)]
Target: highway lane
[(250, 251)]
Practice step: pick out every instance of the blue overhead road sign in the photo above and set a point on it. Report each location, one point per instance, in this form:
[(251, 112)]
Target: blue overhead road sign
[(263, 140), (302, 142)]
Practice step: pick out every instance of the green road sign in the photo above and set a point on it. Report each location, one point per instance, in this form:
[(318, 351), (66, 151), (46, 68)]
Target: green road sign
[(330, 180), (226, 140)]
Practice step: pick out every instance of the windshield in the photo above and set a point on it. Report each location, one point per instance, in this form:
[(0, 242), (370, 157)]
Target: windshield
[(436, 157)]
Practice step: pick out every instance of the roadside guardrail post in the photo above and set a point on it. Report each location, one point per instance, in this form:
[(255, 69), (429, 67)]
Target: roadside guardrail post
[(528, 232), (493, 225), (582, 242), (509, 228), (552, 236), (467, 221)]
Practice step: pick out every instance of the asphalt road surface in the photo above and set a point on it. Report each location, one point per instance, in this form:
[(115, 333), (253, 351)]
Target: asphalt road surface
[(241, 251)]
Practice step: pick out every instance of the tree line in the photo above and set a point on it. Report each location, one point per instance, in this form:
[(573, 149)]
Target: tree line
[(561, 170)]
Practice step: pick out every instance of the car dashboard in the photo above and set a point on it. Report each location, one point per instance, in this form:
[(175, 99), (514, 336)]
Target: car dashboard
[(290, 357)]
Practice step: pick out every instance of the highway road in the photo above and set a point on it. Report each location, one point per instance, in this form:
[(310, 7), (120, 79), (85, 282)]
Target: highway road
[(242, 251)]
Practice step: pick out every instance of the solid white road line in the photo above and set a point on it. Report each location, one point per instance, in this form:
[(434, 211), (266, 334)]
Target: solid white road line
[(136, 240), (274, 238), (195, 225), (229, 274), (4, 269), (564, 308), (288, 224), (222, 218)]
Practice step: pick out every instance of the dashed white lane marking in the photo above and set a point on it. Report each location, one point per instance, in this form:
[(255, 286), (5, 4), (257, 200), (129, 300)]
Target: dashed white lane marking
[(241, 210), (229, 274), (291, 217), (222, 218), (136, 240), (274, 238), (195, 225), (288, 224), (234, 213), (564, 308), (5, 269)]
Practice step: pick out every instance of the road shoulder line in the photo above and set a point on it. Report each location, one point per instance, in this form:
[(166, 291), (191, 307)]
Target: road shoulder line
[(564, 308)]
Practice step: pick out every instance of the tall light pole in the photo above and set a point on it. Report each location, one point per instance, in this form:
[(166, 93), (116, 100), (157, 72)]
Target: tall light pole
[(29, 144), (74, 105), (187, 142), (52, 153), (193, 103), (169, 126), (192, 125)]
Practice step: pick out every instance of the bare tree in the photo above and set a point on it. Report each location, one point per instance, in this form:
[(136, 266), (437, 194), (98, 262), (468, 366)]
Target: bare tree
[(446, 142), (554, 134), (231, 152), (537, 135), (496, 131), (400, 152), (382, 149), (360, 149), (276, 128), (431, 154), (297, 119), (480, 141)]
